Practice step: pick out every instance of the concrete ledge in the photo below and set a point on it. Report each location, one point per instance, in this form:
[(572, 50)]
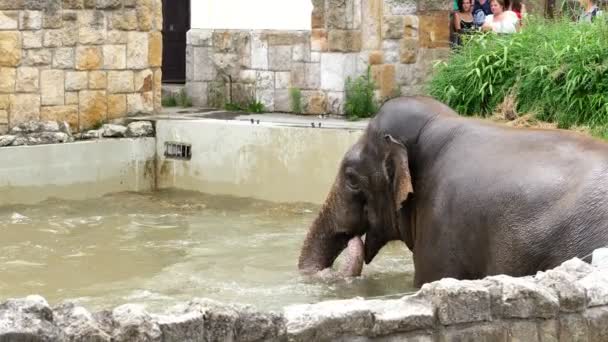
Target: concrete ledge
[(267, 161), (567, 303), (78, 170)]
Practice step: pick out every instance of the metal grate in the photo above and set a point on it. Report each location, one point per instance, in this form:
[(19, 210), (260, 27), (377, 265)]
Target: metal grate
[(174, 150)]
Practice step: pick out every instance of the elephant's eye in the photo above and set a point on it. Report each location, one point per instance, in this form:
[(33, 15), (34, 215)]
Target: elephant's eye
[(352, 180)]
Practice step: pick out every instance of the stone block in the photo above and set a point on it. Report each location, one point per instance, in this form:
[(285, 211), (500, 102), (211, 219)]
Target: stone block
[(571, 294), (376, 57), (393, 27), (259, 53), (63, 58), (52, 17), (306, 75), (73, 4), (335, 102), (88, 58), (314, 102), (406, 74), (434, 31), (30, 20), (264, 80), (28, 80), (301, 52), (8, 78), (408, 51), (71, 98), (338, 13), (52, 87), (52, 38), (37, 57), (140, 103), (197, 91), (576, 268), (200, 37), (317, 18), (98, 80), (90, 36), (155, 49), (217, 94), (76, 80), (410, 28), (371, 27), (282, 80), (202, 65), (117, 106), (247, 76), (266, 97), (158, 75), (430, 5), (69, 34), (283, 38), (93, 108), (68, 114), (226, 64), (573, 328), (242, 93), (279, 58), (109, 4), (114, 57), (229, 41), (145, 14), (3, 122), (10, 48), (9, 20), (32, 39), (144, 81), (282, 101), (400, 7), (524, 331), (458, 301), (335, 69), (5, 101), (522, 298), (315, 57), (597, 323), (120, 82), (487, 332), (137, 50), (125, 20), (24, 107), (318, 40), (401, 315), (11, 4), (344, 40), (391, 50), (596, 287), (117, 37), (548, 330)]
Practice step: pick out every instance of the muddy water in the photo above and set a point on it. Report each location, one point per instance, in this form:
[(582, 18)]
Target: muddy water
[(163, 247)]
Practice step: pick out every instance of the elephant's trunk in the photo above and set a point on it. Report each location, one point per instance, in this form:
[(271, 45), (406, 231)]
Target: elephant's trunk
[(322, 245)]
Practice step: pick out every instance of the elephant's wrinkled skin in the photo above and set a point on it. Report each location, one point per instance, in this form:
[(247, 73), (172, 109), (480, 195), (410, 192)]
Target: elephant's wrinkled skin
[(470, 198)]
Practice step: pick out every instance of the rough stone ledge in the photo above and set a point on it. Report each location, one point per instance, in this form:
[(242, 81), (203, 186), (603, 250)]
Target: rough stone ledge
[(566, 303)]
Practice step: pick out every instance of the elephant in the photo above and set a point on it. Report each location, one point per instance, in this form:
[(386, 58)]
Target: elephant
[(469, 197)]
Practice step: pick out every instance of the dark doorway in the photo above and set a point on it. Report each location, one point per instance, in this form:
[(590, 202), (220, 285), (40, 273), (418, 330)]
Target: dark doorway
[(176, 23)]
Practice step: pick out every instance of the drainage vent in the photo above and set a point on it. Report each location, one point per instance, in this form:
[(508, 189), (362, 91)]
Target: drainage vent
[(175, 150)]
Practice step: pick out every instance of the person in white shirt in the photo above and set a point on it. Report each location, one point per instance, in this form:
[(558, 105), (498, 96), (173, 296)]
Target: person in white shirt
[(501, 21)]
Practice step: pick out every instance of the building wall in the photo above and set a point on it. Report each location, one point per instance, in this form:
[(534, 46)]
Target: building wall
[(82, 61), (399, 39)]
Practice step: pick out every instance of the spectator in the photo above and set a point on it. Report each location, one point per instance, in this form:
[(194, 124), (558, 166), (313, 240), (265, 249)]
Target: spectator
[(518, 8), (463, 19), (591, 10), (501, 20), (481, 9)]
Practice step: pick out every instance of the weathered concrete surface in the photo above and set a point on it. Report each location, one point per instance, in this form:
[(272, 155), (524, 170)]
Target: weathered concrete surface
[(446, 310)]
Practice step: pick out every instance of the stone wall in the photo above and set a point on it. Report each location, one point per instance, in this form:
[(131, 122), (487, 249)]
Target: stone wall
[(568, 303), (399, 39), (80, 61)]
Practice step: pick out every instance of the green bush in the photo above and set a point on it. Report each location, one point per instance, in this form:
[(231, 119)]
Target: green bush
[(557, 70), (360, 101), (295, 96)]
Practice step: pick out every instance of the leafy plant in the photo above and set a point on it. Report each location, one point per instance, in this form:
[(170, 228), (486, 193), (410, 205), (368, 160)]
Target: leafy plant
[(234, 107), (360, 99), (295, 96), (255, 106), (180, 99), (168, 101)]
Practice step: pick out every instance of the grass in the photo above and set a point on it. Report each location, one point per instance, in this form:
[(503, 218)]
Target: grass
[(295, 97), (360, 100), (180, 99), (556, 71), (253, 106)]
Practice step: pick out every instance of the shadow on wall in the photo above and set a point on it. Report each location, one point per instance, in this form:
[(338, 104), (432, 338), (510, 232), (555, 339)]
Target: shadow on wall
[(247, 14)]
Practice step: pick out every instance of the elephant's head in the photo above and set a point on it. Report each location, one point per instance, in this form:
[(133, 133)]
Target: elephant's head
[(372, 184)]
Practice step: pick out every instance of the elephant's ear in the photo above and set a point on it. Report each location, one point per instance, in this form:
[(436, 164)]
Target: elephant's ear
[(398, 171)]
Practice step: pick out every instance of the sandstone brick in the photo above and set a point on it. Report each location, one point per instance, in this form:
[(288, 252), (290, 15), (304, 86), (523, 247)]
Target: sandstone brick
[(98, 80), (376, 57), (76, 80), (63, 58), (392, 27), (117, 106), (52, 15), (409, 50), (120, 81), (7, 80), (137, 50), (69, 34), (37, 57), (338, 12), (24, 107), (158, 15), (52, 38), (88, 57), (279, 58), (52, 87), (401, 7), (10, 48), (93, 108), (30, 20), (109, 4), (155, 49), (3, 121), (32, 39), (71, 98), (548, 331), (90, 36), (203, 70), (198, 92), (282, 101), (371, 27), (89, 3), (124, 20), (140, 103), (344, 40), (158, 75), (114, 56), (315, 102), (144, 81), (28, 80), (282, 80), (73, 4), (318, 40), (259, 53), (5, 101), (145, 14), (335, 103), (306, 75), (432, 5), (61, 113), (410, 23), (434, 29), (335, 69), (117, 37), (11, 4), (9, 20), (317, 19), (278, 38)]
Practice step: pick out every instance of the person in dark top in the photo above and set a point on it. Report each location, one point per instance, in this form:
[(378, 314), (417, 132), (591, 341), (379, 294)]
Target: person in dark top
[(481, 9), (463, 20)]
